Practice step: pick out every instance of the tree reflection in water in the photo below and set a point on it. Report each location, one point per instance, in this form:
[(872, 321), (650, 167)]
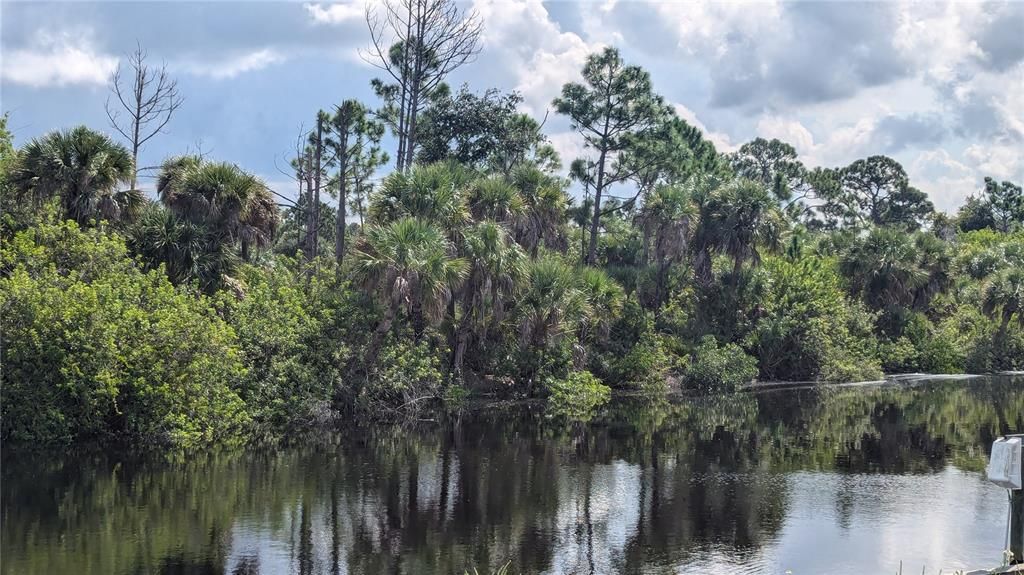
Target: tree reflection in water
[(644, 486)]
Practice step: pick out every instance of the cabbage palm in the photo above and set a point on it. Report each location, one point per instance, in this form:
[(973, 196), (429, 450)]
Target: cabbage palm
[(86, 170), (188, 251), (666, 219), (407, 264), (1003, 297), (603, 297), (545, 203), (743, 215), (883, 269), (551, 306), (231, 203), (432, 193), (494, 198), (497, 266)]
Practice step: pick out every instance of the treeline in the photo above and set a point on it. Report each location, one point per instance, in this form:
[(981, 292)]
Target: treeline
[(219, 307)]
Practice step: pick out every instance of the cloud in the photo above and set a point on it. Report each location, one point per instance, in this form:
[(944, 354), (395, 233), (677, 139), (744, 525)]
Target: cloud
[(894, 133), (946, 180), (337, 13), (233, 66), (57, 60), (534, 49)]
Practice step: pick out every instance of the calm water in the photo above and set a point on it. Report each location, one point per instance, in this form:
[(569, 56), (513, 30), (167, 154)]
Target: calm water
[(850, 479)]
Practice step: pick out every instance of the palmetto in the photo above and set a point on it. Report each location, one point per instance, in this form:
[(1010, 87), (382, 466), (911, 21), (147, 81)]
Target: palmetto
[(236, 206), (86, 170)]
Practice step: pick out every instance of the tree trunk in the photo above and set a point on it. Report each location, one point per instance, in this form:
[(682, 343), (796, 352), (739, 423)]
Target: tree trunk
[(314, 236), (595, 223), (341, 224)]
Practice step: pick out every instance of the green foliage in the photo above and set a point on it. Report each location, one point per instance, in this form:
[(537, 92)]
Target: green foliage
[(576, 396), (807, 329), (405, 378), (95, 348), (715, 368)]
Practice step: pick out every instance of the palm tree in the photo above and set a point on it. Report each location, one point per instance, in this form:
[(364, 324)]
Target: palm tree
[(407, 264), (666, 219), (882, 268), (494, 198), (86, 170), (742, 214), (496, 270), (550, 307), (1003, 297), (231, 203), (603, 297), (544, 218), (188, 251), (432, 193)]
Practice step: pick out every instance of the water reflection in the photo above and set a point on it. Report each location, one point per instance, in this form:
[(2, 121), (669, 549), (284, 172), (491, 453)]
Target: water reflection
[(812, 480)]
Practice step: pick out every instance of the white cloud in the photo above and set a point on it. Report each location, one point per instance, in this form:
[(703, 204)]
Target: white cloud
[(233, 66), (946, 180), (790, 131), (337, 13), (533, 48), (58, 60)]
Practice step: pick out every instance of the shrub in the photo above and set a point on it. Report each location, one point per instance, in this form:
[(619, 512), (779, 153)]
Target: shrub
[(407, 374), (715, 368), (576, 396), (96, 348)]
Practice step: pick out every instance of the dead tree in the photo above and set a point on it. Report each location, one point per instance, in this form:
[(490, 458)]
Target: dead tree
[(148, 99), (417, 43)]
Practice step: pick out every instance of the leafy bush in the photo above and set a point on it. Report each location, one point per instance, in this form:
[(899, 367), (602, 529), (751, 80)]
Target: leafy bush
[(715, 368), (407, 374), (94, 347), (576, 396)]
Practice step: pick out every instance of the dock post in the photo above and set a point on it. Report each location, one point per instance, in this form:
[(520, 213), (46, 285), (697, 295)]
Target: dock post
[(1017, 525)]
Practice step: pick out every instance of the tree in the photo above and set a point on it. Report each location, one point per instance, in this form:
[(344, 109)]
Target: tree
[(149, 99), (545, 200), (84, 169), (187, 250), (407, 263), (876, 191), (666, 220), (1003, 297), (497, 265), (481, 131), (417, 43), (975, 214), (236, 206), (1006, 203), (355, 139), (316, 165), (738, 217), (773, 163), (611, 110)]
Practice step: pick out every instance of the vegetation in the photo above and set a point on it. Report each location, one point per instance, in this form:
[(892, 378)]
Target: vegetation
[(211, 311)]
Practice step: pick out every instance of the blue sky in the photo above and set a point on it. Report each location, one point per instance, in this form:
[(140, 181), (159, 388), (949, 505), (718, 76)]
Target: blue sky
[(938, 86)]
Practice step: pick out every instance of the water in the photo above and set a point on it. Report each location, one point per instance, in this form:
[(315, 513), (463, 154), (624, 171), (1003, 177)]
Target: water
[(839, 480)]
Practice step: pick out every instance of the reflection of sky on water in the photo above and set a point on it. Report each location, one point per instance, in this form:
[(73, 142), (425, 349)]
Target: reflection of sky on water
[(835, 523), (838, 481)]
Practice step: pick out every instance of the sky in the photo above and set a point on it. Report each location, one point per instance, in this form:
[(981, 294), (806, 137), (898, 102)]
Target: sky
[(938, 86)]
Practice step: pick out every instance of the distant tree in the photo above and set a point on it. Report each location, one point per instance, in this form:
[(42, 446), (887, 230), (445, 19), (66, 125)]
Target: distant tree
[(1006, 202), (84, 169), (666, 220), (876, 191), (417, 43), (611, 110), (975, 214), (773, 163), (355, 141), (148, 97), (316, 167), (485, 131)]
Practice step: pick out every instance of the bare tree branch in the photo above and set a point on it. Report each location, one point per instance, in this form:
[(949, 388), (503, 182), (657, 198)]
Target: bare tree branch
[(148, 99)]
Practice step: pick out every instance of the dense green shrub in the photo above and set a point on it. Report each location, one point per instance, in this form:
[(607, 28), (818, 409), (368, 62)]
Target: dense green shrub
[(714, 368), (808, 329), (576, 396), (406, 377), (284, 323), (94, 347)]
